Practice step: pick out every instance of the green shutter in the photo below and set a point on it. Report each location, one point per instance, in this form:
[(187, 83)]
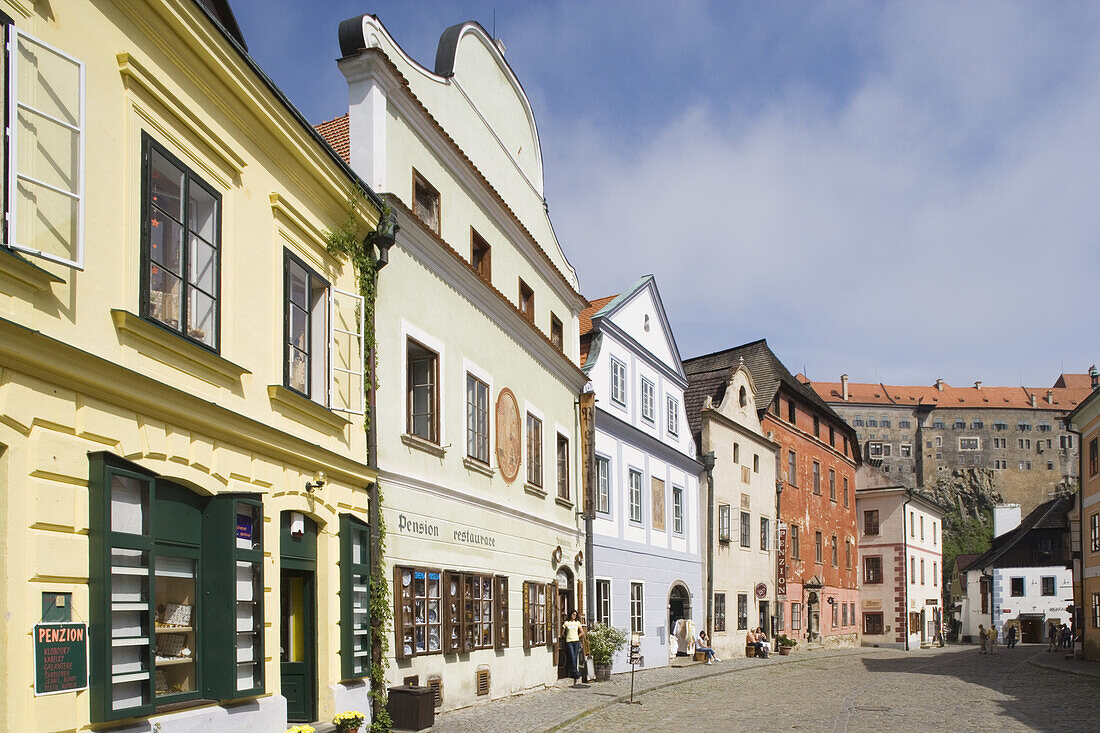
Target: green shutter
[(355, 629)]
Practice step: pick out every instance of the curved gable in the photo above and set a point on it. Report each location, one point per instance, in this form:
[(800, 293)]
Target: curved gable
[(469, 56)]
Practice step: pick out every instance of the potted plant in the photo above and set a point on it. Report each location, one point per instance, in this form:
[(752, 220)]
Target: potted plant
[(784, 643), (300, 729), (604, 642), (348, 722)]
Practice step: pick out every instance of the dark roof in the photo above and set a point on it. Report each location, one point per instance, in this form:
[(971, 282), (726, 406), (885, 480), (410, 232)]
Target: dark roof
[(223, 14), (962, 560), (1052, 514), (707, 376)]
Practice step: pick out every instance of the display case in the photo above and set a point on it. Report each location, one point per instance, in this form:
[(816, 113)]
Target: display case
[(175, 653), (355, 628)]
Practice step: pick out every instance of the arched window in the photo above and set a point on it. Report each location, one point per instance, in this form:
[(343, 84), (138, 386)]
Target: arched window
[(743, 397)]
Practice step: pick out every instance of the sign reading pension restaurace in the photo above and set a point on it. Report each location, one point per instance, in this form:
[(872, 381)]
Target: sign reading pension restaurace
[(60, 658)]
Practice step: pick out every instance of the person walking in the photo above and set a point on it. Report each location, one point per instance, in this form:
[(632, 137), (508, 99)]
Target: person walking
[(982, 639), (1011, 637), (574, 631), (1052, 636), (991, 632)]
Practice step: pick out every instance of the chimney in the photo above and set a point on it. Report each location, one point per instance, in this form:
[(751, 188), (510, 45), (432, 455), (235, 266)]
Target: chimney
[(1033, 402), (1050, 396), (978, 385), (1006, 517), (1095, 376), (939, 384), (844, 385)]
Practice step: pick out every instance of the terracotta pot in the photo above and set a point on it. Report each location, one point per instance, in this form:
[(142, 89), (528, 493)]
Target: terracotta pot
[(785, 650), (603, 672), (344, 729)]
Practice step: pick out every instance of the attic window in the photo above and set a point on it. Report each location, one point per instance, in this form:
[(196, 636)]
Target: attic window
[(743, 397), (645, 325), (526, 301), (481, 255), (425, 202)]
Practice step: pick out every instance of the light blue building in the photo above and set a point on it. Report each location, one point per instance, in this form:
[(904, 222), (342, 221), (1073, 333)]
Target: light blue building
[(647, 533)]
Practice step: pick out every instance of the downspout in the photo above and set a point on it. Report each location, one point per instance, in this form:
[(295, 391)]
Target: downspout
[(905, 563), (708, 465)]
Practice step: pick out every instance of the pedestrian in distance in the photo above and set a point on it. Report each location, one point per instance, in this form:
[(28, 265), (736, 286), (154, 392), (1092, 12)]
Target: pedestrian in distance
[(1052, 636), (991, 634), (1011, 637), (751, 640), (574, 631), (702, 644), (983, 640)]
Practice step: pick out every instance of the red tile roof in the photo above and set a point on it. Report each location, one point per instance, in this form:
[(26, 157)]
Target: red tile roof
[(594, 307), (871, 393), (335, 133), (1074, 381)]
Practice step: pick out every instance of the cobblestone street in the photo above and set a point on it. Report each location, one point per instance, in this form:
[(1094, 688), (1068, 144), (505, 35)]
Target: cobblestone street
[(952, 689)]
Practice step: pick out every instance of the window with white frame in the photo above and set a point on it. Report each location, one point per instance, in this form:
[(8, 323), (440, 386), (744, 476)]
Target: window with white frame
[(618, 381), (422, 416), (723, 522), (563, 467), (677, 510), (603, 485), (603, 602), (906, 450), (969, 444), (765, 531), (46, 137), (637, 609), (477, 419), (673, 406), (635, 489), (796, 616), (649, 407)]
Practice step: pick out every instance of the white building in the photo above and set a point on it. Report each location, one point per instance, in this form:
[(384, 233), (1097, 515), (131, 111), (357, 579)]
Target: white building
[(1026, 577), (646, 538), (740, 511), (476, 420), (901, 554)]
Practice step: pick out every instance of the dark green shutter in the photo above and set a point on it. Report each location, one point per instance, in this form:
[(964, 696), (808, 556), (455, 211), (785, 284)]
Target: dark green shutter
[(355, 629)]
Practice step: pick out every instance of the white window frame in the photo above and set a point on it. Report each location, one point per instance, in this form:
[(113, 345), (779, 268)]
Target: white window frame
[(630, 488), (673, 406), (677, 509), (13, 150), (640, 585), (603, 485), (649, 407), (357, 377), (968, 438), (618, 382), (606, 600)]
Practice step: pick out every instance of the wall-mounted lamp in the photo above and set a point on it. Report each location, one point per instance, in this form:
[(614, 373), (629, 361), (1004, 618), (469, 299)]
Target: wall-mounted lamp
[(556, 555), (579, 559), (319, 480)]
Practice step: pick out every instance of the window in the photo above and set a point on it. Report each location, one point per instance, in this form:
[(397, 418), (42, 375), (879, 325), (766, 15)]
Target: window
[(1000, 442), (845, 491), (935, 533), (723, 522), (832, 485), (887, 448), (904, 423), (1094, 533), (817, 477), (912, 569), (912, 524), (46, 127), (635, 487), (870, 521), (922, 571), (872, 422), (872, 569), (672, 405), (746, 529), (906, 450), (960, 423), (1096, 610), (884, 421), (834, 552), (618, 381), (418, 591), (1023, 425), (637, 609), (848, 554), (557, 333), (534, 452), (648, 406), (922, 528), (677, 510), (1000, 425), (537, 611), (819, 553), (937, 423), (1094, 457), (423, 395), (1065, 441), (719, 612), (1047, 585), (603, 602), (355, 627), (983, 591), (796, 616), (181, 238), (163, 556), (832, 436), (764, 531), (425, 202), (563, 467), (742, 611), (481, 256), (874, 449), (477, 419), (1025, 443), (872, 623), (796, 551), (935, 573), (305, 329), (779, 617), (755, 463), (998, 463), (836, 615), (603, 485), (857, 421), (791, 412), (976, 424), (817, 427), (792, 468), (469, 613), (526, 301)]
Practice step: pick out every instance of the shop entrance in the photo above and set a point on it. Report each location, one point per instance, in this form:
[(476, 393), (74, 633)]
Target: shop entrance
[(298, 617), (813, 617), (679, 610), (765, 618), (1031, 630), (566, 605)]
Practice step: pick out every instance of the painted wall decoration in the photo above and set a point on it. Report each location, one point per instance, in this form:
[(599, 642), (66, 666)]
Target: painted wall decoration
[(509, 435)]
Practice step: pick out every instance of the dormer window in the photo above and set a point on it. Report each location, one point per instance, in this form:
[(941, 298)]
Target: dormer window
[(425, 202), (480, 256), (526, 301), (557, 333)]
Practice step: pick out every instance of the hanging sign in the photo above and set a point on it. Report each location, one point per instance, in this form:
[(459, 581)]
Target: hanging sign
[(781, 565), (588, 452), (60, 658), (761, 590)]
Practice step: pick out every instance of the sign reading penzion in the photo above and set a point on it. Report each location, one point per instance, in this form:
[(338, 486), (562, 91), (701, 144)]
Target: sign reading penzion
[(60, 658)]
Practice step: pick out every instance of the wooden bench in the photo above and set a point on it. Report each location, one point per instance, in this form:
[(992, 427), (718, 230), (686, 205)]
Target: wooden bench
[(750, 651), (700, 656)]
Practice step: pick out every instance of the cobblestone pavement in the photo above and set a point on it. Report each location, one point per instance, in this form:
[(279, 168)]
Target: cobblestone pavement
[(857, 691)]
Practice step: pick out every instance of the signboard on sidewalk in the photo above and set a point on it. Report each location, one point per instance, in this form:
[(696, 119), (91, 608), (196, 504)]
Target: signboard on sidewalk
[(60, 658)]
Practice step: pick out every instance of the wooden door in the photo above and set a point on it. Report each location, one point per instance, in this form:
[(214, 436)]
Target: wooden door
[(298, 634)]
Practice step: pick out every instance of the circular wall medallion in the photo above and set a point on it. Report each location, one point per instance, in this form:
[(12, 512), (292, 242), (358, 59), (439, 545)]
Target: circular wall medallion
[(509, 435), (761, 590)]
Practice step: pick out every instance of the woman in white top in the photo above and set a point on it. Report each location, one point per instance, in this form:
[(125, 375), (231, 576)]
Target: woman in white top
[(573, 631)]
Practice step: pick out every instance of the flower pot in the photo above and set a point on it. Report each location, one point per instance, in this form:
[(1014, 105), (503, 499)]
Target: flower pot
[(785, 650), (345, 729), (603, 672)]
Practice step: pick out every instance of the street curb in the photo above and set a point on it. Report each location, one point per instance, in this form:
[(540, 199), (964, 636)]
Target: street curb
[(653, 688), (1056, 668)]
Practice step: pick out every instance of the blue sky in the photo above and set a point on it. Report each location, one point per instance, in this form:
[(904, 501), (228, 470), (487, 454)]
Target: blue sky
[(899, 191)]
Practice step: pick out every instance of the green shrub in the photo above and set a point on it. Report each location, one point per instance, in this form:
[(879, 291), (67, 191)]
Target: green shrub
[(604, 642)]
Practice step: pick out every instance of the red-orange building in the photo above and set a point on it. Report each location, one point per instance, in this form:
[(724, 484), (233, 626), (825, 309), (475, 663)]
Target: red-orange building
[(818, 579)]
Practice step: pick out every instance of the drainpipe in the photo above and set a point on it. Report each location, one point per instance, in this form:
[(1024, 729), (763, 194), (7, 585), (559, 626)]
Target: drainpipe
[(905, 562), (708, 465)]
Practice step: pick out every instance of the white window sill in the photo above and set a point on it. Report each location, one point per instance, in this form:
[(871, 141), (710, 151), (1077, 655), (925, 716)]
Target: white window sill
[(418, 443), (478, 467), (533, 490)]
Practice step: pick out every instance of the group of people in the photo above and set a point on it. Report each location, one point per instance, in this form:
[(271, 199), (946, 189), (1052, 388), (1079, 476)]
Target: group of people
[(755, 638), (1059, 636), (987, 638)]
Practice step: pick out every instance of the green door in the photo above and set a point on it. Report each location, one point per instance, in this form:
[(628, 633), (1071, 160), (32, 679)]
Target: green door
[(298, 634)]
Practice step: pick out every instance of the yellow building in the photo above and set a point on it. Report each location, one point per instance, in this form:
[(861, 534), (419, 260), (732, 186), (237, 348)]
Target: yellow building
[(180, 361), (1086, 421)]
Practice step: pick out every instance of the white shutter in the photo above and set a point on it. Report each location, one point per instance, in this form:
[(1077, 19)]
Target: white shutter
[(46, 140), (346, 358)]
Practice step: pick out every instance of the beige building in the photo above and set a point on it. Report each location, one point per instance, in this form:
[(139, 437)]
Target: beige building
[(1086, 421), (180, 362), (478, 345)]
